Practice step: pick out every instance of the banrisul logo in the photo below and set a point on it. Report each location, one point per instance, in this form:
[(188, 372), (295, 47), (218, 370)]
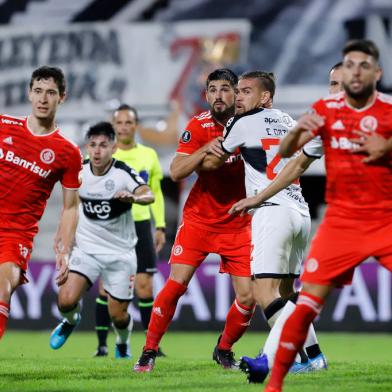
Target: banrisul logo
[(10, 156)]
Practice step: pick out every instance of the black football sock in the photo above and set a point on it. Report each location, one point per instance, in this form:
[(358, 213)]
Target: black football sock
[(102, 320), (145, 308)]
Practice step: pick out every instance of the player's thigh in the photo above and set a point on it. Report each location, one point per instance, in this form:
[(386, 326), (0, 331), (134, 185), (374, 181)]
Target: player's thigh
[(145, 248), (272, 239), (301, 225), (335, 251), (144, 284), (191, 245), (85, 265), (118, 275), (380, 241), (234, 249), (16, 250)]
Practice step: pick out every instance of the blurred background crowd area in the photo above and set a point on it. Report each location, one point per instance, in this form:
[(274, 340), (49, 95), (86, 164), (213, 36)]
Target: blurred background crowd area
[(155, 55)]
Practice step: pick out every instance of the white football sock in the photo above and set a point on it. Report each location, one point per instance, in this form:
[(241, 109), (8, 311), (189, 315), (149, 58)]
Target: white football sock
[(122, 335), (73, 315)]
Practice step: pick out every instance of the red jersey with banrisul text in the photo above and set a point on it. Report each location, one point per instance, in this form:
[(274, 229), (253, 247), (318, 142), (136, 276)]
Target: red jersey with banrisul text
[(214, 191), (30, 165), (354, 186)]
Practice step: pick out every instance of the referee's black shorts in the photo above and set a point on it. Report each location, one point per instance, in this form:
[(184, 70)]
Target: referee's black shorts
[(145, 249)]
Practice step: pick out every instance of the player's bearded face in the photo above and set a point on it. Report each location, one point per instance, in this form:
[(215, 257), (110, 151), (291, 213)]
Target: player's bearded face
[(360, 75), (220, 97), (124, 123), (45, 97)]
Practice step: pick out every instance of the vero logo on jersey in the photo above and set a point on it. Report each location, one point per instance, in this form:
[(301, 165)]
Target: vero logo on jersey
[(10, 122), (11, 157)]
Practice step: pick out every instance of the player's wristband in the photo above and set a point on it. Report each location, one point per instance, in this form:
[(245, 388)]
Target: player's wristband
[(163, 229)]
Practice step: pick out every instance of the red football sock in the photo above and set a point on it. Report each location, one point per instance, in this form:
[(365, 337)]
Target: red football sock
[(4, 313), (162, 312), (237, 322), (293, 336)]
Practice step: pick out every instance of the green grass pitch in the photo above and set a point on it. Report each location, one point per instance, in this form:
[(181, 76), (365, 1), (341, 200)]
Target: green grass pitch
[(358, 362)]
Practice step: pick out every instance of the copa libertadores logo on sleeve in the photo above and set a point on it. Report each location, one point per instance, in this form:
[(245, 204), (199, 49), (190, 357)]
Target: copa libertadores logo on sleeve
[(186, 136)]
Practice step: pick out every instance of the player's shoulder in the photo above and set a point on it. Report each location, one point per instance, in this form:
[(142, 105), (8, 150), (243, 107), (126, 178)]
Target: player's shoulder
[(331, 101), (239, 119), (145, 150), (385, 99), (123, 168), (202, 120), (68, 142)]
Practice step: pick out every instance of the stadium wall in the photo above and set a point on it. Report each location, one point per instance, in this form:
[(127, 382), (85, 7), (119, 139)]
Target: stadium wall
[(364, 306)]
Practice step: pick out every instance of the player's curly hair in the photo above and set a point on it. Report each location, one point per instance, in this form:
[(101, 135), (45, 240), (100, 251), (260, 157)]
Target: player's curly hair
[(222, 74), (266, 79), (46, 72)]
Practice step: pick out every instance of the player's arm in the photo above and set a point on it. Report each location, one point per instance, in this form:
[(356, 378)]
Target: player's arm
[(221, 148), (291, 172), (216, 156), (142, 195), (183, 165), (66, 233), (158, 207), (302, 133)]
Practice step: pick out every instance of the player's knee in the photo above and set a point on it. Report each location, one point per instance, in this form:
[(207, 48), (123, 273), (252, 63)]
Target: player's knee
[(120, 319), (245, 298), (67, 301)]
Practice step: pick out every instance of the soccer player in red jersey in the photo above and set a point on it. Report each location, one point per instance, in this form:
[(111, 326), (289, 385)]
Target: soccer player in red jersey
[(206, 226), (34, 155), (358, 221)]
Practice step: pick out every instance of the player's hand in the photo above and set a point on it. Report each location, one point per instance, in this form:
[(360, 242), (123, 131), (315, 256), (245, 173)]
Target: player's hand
[(160, 240), (61, 268), (372, 144), (244, 205), (125, 197), (214, 147), (309, 122)]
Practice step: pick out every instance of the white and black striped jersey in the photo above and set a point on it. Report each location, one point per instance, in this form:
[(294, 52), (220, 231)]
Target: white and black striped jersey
[(105, 223), (258, 133)]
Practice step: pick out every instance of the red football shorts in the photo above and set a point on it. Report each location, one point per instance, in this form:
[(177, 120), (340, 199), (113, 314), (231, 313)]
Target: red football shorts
[(16, 250), (193, 244), (342, 243)]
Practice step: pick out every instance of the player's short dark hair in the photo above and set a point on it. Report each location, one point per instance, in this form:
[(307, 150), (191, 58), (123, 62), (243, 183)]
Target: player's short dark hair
[(362, 45), (102, 128), (222, 74), (266, 80), (46, 72), (336, 66), (130, 108)]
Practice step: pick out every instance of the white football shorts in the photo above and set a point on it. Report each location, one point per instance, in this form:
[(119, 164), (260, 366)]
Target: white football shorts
[(117, 271), (280, 235)]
